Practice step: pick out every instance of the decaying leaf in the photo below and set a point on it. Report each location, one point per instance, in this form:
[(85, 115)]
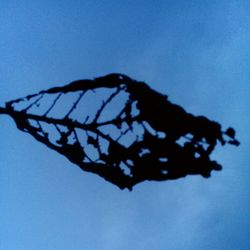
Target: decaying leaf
[(120, 129)]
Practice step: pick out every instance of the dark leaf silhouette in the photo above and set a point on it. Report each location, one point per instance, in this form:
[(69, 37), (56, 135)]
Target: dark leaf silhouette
[(121, 129)]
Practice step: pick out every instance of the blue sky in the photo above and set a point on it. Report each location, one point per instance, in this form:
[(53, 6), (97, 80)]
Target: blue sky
[(196, 52)]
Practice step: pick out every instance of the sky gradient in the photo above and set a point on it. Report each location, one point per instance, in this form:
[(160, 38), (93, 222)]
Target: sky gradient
[(196, 52)]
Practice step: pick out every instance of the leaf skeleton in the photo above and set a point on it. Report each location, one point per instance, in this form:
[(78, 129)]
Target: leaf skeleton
[(121, 129)]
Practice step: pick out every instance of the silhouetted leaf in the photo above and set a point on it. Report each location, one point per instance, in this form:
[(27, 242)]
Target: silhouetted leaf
[(121, 130)]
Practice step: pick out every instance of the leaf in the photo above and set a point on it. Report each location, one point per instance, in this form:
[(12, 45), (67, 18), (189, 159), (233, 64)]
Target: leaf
[(120, 129)]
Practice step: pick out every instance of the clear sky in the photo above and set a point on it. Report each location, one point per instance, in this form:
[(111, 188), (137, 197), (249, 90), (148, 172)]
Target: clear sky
[(196, 52)]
